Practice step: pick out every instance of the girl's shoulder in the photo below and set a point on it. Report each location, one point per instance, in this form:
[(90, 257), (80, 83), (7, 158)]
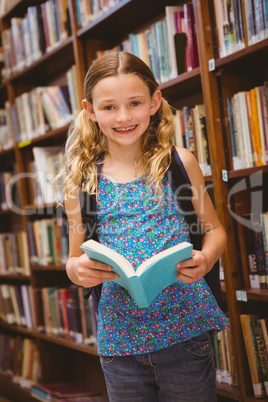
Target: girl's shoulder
[(186, 157), (190, 164)]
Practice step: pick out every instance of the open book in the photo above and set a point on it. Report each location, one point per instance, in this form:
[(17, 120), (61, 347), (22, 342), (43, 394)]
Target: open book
[(150, 278)]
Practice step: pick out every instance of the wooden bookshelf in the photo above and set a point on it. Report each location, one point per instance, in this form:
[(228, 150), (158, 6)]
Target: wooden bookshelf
[(238, 71), (40, 71)]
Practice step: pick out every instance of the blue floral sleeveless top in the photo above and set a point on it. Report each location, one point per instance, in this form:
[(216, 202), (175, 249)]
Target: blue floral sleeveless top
[(136, 224)]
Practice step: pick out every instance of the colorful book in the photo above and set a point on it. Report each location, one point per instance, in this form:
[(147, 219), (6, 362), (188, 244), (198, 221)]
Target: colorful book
[(150, 278)]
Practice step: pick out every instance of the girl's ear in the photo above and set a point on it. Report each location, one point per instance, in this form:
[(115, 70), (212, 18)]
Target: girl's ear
[(156, 102), (89, 110)]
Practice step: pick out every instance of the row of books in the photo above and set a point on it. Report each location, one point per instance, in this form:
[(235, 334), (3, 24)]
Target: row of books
[(46, 164), (5, 140), (14, 257), (60, 312), (20, 360), (43, 28), (6, 137), (223, 356), (240, 23), (248, 126), (16, 304), (191, 133), (256, 242), (43, 189), (5, 190), (89, 10), (169, 46), (40, 110), (48, 241), (255, 334), (9, 191)]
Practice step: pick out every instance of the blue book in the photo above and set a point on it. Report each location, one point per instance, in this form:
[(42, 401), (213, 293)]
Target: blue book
[(151, 277)]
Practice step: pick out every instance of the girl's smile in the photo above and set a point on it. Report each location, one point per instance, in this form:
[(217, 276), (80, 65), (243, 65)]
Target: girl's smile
[(125, 130), (122, 106)]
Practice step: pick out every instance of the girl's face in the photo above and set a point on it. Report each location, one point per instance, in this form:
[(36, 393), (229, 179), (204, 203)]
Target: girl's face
[(122, 106)]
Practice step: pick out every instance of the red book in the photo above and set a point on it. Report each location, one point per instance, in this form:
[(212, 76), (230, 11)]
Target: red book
[(65, 294), (192, 52)]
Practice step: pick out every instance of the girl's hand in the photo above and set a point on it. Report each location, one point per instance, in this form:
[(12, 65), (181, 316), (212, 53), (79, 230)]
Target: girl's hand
[(194, 268), (88, 273)]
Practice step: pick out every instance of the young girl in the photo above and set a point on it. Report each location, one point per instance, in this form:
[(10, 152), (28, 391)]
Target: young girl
[(125, 133)]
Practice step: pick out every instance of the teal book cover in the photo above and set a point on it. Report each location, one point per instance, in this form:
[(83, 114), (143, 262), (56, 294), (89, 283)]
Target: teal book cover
[(151, 277)]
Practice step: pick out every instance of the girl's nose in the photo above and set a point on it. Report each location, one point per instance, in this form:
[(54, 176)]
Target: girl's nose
[(123, 115)]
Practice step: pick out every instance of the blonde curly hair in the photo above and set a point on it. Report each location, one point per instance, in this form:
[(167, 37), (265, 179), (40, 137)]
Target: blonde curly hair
[(86, 144)]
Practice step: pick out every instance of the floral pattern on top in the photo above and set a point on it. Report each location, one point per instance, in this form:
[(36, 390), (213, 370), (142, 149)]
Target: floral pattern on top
[(136, 223)]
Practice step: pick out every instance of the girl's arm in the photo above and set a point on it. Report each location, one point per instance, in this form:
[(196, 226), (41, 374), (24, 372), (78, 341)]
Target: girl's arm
[(214, 238), (80, 269)]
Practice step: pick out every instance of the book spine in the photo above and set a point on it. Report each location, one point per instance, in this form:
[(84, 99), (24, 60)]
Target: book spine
[(261, 354), (258, 388), (260, 253)]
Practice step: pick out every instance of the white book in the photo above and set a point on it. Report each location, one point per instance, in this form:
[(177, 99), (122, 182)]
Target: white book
[(21, 118), (15, 305), (27, 306), (42, 124), (178, 129), (245, 130), (44, 172), (240, 161), (219, 24), (27, 112), (171, 30)]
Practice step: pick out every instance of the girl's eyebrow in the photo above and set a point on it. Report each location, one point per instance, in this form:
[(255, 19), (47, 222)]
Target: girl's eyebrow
[(114, 100), (137, 96)]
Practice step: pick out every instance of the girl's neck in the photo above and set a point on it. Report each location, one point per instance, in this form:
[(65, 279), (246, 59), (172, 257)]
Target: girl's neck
[(124, 166)]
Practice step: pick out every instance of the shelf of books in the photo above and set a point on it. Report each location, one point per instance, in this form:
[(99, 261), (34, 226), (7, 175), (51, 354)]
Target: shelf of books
[(209, 58), (241, 74)]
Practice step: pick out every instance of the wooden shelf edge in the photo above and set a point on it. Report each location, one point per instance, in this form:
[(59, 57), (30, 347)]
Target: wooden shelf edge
[(256, 294), (88, 349), (9, 277), (249, 50), (113, 10), (19, 74), (48, 267), (48, 135), (10, 389), (228, 391), (7, 151), (180, 78), (232, 174)]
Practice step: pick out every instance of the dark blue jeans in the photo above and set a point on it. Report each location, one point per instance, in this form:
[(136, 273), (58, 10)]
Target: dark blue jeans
[(180, 373)]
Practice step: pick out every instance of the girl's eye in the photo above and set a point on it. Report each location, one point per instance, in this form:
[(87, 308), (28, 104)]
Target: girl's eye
[(136, 103), (108, 108)]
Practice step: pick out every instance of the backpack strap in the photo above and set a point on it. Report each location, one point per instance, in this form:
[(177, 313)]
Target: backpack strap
[(88, 205), (181, 186)]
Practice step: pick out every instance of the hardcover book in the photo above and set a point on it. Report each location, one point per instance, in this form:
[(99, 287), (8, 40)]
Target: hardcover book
[(150, 278)]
